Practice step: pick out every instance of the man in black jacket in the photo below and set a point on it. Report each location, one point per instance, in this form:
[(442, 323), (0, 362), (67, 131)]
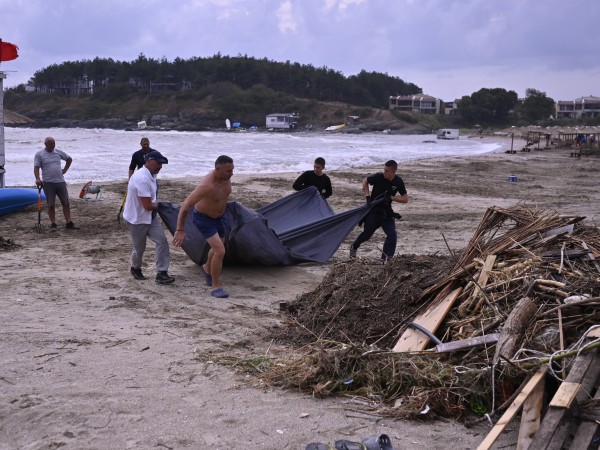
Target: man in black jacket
[(315, 178), (137, 159), (386, 187)]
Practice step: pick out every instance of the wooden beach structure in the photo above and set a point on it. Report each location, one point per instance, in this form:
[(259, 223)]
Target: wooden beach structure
[(577, 140), (573, 140), (536, 138)]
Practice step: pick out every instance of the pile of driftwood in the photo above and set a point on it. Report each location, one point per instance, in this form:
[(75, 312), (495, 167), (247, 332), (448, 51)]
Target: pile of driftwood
[(529, 277), (522, 295)]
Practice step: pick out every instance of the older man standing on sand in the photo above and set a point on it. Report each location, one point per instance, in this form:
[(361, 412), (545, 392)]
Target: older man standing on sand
[(54, 185), (209, 201)]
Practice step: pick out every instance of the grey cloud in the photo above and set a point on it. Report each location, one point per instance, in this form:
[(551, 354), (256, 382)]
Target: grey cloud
[(437, 44)]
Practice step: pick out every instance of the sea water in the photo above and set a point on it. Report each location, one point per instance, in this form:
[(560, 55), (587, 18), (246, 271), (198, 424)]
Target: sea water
[(103, 155)]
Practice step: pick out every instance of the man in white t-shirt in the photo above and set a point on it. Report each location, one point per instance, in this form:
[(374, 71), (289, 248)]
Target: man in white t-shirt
[(140, 214)]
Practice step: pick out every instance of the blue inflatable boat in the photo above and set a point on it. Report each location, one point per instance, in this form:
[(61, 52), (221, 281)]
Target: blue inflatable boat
[(13, 199)]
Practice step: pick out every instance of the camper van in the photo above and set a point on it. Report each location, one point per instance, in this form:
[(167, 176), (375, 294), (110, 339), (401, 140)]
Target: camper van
[(448, 133)]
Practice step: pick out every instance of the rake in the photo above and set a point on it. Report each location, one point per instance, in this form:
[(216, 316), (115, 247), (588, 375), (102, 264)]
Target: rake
[(38, 226), (121, 209)]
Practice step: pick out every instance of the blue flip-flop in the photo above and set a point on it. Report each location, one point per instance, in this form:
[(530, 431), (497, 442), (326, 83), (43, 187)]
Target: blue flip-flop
[(219, 293), (206, 276)]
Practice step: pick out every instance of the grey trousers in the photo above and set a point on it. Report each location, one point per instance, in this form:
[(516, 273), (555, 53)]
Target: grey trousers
[(156, 234)]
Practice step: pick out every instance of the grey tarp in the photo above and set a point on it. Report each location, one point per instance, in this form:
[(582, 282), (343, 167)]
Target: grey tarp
[(297, 228)]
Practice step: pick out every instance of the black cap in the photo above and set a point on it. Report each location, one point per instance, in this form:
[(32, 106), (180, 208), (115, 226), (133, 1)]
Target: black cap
[(156, 156)]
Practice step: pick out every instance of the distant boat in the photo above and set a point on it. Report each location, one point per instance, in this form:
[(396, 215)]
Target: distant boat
[(142, 125), (13, 199), (335, 127)]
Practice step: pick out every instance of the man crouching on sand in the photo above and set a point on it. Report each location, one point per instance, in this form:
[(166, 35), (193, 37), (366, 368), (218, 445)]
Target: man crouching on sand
[(209, 201)]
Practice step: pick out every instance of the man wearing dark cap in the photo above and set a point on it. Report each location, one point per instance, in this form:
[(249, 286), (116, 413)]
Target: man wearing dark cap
[(140, 214)]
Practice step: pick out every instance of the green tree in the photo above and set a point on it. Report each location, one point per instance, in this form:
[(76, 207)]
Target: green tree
[(488, 106), (380, 86), (536, 106)]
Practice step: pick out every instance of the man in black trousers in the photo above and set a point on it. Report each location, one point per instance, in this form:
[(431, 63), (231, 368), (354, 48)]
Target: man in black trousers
[(387, 188)]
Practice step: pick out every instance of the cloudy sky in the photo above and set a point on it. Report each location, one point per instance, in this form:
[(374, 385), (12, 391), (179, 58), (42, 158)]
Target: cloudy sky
[(449, 48)]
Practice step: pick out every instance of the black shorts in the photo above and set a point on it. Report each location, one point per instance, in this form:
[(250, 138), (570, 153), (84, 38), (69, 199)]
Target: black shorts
[(53, 190)]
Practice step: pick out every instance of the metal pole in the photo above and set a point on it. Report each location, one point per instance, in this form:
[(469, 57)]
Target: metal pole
[(2, 157)]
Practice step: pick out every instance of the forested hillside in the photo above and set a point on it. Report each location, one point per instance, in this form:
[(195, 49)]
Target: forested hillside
[(106, 77), (200, 93)]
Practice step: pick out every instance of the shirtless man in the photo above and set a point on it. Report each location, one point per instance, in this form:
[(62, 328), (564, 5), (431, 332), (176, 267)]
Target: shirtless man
[(209, 201)]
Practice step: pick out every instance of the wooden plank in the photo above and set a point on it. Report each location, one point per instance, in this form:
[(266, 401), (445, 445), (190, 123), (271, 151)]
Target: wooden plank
[(590, 256), (484, 276), (531, 417), (554, 429), (568, 229), (467, 343), (560, 432), (485, 270), (513, 409), (586, 431), (564, 396), (414, 340)]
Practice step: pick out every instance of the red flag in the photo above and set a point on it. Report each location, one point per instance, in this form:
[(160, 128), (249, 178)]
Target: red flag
[(8, 51)]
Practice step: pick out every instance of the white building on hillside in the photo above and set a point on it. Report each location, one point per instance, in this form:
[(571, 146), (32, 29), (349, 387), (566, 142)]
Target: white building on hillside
[(583, 107), (419, 103)]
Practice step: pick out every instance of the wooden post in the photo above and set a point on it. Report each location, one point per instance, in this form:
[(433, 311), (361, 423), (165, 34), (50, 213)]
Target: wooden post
[(514, 327), (512, 140), (2, 157)]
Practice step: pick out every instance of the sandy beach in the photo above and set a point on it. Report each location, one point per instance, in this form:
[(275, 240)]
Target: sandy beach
[(93, 359)]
